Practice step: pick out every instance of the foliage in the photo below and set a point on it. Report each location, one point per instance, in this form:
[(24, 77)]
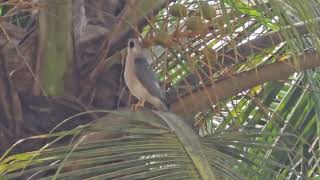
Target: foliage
[(140, 145), (137, 145), (271, 131)]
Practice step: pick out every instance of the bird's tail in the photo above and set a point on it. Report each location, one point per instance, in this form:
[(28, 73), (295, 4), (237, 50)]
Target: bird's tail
[(161, 105), (165, 106)]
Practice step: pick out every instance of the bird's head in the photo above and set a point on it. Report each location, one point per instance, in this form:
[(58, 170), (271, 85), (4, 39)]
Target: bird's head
[(134, 47)]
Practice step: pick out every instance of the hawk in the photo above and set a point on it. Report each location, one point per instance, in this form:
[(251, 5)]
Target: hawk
[(140, 78)]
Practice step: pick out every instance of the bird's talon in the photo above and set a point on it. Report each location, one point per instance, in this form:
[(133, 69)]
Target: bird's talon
[(135, 107)]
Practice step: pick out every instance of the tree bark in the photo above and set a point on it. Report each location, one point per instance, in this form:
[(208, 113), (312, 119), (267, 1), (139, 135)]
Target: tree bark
[(205, 98), (55, 48)]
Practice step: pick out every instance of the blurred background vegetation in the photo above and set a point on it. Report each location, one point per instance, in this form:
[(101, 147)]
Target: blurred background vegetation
[(242, 78)]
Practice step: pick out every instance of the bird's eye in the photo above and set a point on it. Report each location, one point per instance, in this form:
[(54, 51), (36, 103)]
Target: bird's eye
[(131, 44)]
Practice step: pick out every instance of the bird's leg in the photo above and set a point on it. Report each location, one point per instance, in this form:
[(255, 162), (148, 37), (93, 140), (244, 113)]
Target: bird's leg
[(141, 104), (133, 107), (138, 105)]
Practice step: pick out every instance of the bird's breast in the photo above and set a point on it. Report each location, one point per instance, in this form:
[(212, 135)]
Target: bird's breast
[(133, 83)]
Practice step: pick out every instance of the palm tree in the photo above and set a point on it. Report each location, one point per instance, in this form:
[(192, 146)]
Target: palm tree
[(241, 76)]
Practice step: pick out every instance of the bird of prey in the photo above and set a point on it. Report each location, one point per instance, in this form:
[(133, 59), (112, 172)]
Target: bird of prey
[(141, 80)]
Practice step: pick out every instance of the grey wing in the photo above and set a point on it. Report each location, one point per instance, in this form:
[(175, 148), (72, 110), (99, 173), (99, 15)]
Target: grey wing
[(147, 77)]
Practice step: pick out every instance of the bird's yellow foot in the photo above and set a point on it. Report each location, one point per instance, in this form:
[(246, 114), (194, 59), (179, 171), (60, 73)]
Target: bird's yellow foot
[(135, 107)]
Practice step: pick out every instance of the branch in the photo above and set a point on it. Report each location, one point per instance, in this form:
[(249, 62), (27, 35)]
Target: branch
[(280, 70), (240, 53), (259, 44)]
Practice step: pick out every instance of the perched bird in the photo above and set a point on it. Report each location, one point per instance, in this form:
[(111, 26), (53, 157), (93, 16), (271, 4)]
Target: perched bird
[(141, 80)]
